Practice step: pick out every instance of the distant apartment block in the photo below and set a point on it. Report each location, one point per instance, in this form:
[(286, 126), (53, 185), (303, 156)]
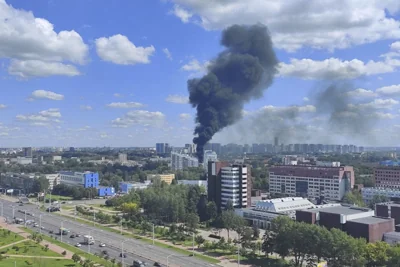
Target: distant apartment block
[(387, 176), (330, 183), (83, 179), (57, 158), (182, 161), (193, 182), (162, 148), (125, 187), (54, 179), (122, 157), (22, 160), (229, 182), (168, 178), (27, 152)]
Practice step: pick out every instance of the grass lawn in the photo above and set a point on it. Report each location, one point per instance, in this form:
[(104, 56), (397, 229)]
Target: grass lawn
[(8, 237), (28, 248), (74, 250), (36, 262), (56, 197)]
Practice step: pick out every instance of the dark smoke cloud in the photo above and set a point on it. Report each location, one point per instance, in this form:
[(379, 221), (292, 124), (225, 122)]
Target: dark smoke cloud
[(239, 74), (335, 118)]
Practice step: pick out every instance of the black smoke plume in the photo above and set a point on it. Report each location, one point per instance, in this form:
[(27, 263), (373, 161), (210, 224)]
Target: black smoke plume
[(239, 74)]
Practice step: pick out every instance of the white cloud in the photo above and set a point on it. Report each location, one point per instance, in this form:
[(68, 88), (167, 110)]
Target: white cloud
[(395, 46), (167, 53), (37, 68), (53, 112), (43, 94), (322, 24), (86, 107), (119, 50), (125, 105), (379, 104), (181, 13), (383, 116), (2, 106), (4, 134), (140, 117), (117, 95), (306, 99), (362, 93), (25, 37), (393, 90), (302, 109), (184, 116), (177, 99), (334, 68), (104, 136), (42, 118), (195, 66)]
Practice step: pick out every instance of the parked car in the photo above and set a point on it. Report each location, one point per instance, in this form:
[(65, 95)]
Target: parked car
[(122, 255), (102, 245), (72, 236), (157, 264), (78, 245), (105, 252)]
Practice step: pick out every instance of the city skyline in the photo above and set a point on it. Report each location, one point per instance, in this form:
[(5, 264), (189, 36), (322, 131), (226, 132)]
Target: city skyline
[(115, 75)]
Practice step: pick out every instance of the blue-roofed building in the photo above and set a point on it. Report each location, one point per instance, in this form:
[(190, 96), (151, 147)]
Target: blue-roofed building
[(105, 191), (84, 179), (389, 163)]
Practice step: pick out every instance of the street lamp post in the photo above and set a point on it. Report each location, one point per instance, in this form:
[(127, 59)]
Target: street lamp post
[(94, 218), (40, 223), (238, 260), (168, 259), (13, 208), (122, 251), (25, 217), (153, 234), (193, 244), (2, 206)]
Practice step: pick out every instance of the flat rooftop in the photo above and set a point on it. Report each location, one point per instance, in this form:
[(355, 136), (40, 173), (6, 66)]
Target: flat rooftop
[(391, 204), (371, 220), (345, 210)]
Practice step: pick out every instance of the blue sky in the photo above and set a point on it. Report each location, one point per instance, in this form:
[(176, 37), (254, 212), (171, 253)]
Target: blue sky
[(114, 73)]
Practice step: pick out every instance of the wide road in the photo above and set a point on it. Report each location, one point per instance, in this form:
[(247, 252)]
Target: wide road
[(134, 249)]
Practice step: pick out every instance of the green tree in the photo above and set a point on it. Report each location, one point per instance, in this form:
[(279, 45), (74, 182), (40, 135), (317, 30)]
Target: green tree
[(199, 240), (394, 256), (282, 227), (377, 199), (192, 220), (377, 254), (354, 198), (212, 210), (228, 220)]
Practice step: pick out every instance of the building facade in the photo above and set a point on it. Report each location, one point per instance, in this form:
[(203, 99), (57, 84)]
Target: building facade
[(330, 183), (209, 155), (84, 179), (368, 193), (122, 157), (387, 177), (125, 187), (104, 191), (183, 161), (54, 179), (27, 152), (168, 178), (229, 183), (193, 182)]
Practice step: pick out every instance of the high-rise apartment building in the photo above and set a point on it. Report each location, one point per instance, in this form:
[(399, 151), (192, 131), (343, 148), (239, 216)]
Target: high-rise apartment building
[(163, 148), (229, 182), (182, 161), (330, 183), (27, 151), (209, 155), (122, 157)]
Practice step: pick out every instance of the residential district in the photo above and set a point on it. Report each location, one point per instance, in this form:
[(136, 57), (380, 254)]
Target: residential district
[(272, 196)]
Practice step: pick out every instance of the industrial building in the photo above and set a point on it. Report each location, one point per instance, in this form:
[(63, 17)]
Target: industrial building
[(355, 221), (125, 187), (229, 182), (183, 161), (265, 211), (329, 183)]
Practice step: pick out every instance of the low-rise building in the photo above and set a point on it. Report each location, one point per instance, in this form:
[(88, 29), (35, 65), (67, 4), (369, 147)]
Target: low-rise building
[(125, 187), (21, 160), (265, 211), (387, 176), (193, 182), (57, 158), (168, 178), (368, 193), (54, 179), (84, 179), (355, 221), (104, 191)]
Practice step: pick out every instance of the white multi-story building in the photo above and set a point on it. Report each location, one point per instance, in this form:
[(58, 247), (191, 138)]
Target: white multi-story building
[(193, 182), (122, 157), (209, 155), (182, 161), (84, 179), (330, 183), (54, 179), (368, 193), (234, 186)]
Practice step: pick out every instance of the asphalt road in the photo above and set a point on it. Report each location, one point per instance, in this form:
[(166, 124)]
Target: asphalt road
[(134, 249)]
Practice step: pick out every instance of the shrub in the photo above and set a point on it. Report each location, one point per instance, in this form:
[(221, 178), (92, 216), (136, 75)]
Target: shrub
[(64, 253)]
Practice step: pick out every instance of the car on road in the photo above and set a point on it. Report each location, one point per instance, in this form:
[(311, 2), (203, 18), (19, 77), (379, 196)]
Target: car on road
[(72, 236), (105, 252), (78, 245), (138, 263), (21, 204), (42, 227), (51, 232), (35, 225), (102, 245), (77, 235), (157, 264), (122, 255)]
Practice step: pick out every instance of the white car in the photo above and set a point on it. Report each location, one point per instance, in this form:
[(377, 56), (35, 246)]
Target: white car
[(102, 245), (78, 245)]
